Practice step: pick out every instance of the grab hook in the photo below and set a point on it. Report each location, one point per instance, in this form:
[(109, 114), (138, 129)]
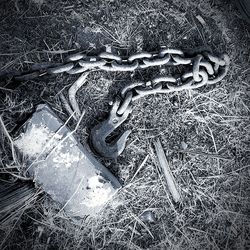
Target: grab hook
[(100, 132)]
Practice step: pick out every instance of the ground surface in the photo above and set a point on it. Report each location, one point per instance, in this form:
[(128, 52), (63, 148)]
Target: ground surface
[(213, 122)]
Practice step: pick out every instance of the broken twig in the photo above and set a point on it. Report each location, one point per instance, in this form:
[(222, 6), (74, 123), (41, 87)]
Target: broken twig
[(11, 141), (163, 163), (197, 152), (140, 167)]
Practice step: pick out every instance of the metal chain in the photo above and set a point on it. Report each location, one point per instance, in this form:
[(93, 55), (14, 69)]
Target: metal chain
[(203, 72), (205, 69), (110, 61)]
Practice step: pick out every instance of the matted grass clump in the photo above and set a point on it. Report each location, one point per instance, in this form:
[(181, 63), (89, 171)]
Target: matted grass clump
[(204, 132)]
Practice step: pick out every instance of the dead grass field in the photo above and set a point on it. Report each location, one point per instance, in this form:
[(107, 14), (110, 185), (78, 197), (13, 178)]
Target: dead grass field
[(213, 176)]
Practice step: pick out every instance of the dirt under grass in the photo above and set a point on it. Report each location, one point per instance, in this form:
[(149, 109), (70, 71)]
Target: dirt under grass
[(213, 174)]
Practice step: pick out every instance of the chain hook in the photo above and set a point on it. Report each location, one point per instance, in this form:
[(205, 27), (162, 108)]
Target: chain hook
[(99, 134)]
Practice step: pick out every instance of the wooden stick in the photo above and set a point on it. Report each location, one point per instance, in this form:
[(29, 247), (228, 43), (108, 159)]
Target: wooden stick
[(72, 94), (164, 165), (67, 106)]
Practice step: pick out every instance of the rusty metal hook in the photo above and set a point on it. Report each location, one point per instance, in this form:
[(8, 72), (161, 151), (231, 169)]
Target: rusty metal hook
[(100, 132)]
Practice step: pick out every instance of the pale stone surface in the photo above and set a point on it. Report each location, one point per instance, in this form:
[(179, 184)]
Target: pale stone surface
[(62, 166)]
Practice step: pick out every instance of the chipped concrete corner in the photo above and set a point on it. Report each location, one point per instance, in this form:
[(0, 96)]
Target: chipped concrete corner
[(63, 167)]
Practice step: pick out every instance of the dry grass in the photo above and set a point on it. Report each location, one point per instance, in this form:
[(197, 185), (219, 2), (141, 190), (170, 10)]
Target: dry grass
[(212, 173)]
